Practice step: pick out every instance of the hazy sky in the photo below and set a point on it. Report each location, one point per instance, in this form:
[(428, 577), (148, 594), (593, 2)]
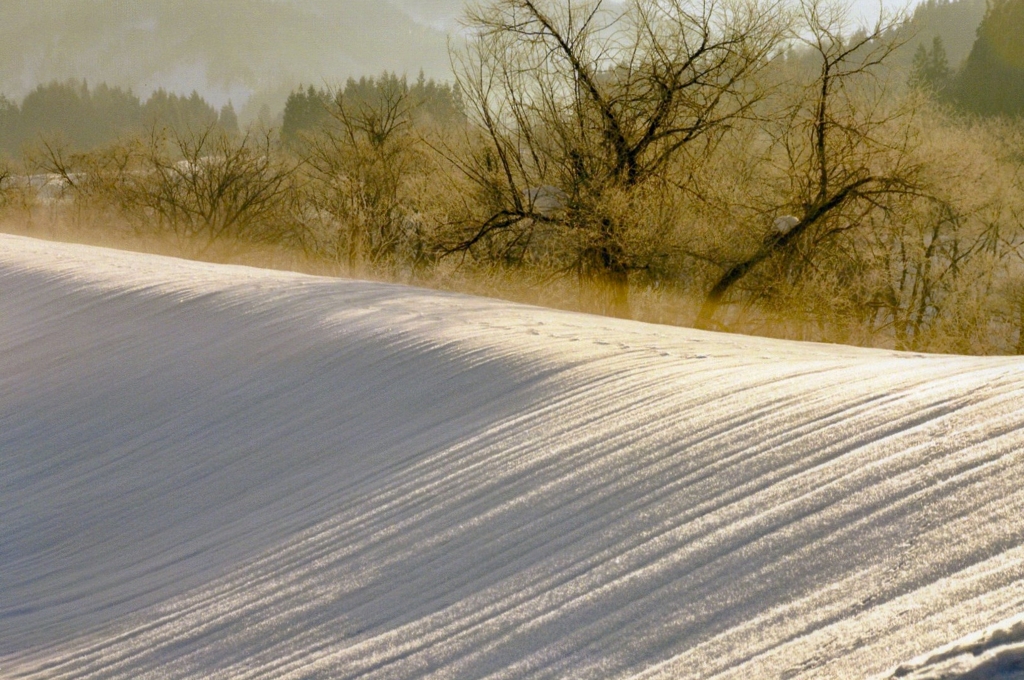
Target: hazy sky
[(441, 14), (444, 14), (866, 11)]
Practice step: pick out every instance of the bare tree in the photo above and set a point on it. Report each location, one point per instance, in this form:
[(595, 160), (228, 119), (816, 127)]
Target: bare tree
[(212, 186), (952, 259), (577, 101), (842, 145), (360, 163)]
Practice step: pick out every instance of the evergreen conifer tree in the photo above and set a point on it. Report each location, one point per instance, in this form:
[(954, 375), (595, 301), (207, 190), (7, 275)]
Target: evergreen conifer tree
[(930, 69), (228, 119), (992, 80)]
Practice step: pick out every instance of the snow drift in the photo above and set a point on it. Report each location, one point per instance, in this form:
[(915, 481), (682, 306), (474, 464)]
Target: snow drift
[(213, 471)]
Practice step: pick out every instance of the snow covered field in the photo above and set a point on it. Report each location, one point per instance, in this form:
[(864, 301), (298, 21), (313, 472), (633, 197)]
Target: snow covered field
[(211, 471)]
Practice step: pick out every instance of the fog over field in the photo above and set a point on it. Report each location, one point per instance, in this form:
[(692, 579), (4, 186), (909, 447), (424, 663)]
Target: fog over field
[(229, 49), (216, 471)]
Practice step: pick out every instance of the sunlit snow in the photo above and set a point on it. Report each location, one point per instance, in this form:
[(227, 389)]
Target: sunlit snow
[(212, 471)]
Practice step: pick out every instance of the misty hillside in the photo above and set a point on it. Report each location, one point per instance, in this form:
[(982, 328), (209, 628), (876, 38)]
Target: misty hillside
[(223, 472), (955, 22), (230, 47)]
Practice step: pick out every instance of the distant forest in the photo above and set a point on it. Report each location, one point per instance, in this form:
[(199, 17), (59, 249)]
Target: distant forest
[(309, 110), (953, 22), (83, 118)]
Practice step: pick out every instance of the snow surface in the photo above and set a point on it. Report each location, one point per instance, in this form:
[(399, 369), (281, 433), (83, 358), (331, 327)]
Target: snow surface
[(996, 652), (213, 471)]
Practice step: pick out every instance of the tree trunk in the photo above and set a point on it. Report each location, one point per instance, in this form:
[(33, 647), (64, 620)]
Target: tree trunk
[(604, 283)]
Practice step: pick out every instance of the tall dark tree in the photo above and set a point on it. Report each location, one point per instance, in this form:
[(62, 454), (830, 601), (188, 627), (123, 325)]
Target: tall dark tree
[(992, 80), (304, 111), (228, 119), (930, 69), (10, 120)]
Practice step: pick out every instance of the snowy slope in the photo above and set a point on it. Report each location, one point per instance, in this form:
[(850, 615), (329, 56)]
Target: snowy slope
[(211, 471), (996, 652)]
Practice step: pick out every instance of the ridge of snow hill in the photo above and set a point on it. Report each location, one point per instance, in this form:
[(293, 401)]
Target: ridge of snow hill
[(222, 472)]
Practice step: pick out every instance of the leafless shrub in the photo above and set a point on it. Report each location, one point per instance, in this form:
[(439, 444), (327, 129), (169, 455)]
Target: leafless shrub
[(204, 188)]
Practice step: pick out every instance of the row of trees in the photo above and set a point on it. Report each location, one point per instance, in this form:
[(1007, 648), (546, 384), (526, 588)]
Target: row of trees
[(89, 118), (762, 170), (429, 102)]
